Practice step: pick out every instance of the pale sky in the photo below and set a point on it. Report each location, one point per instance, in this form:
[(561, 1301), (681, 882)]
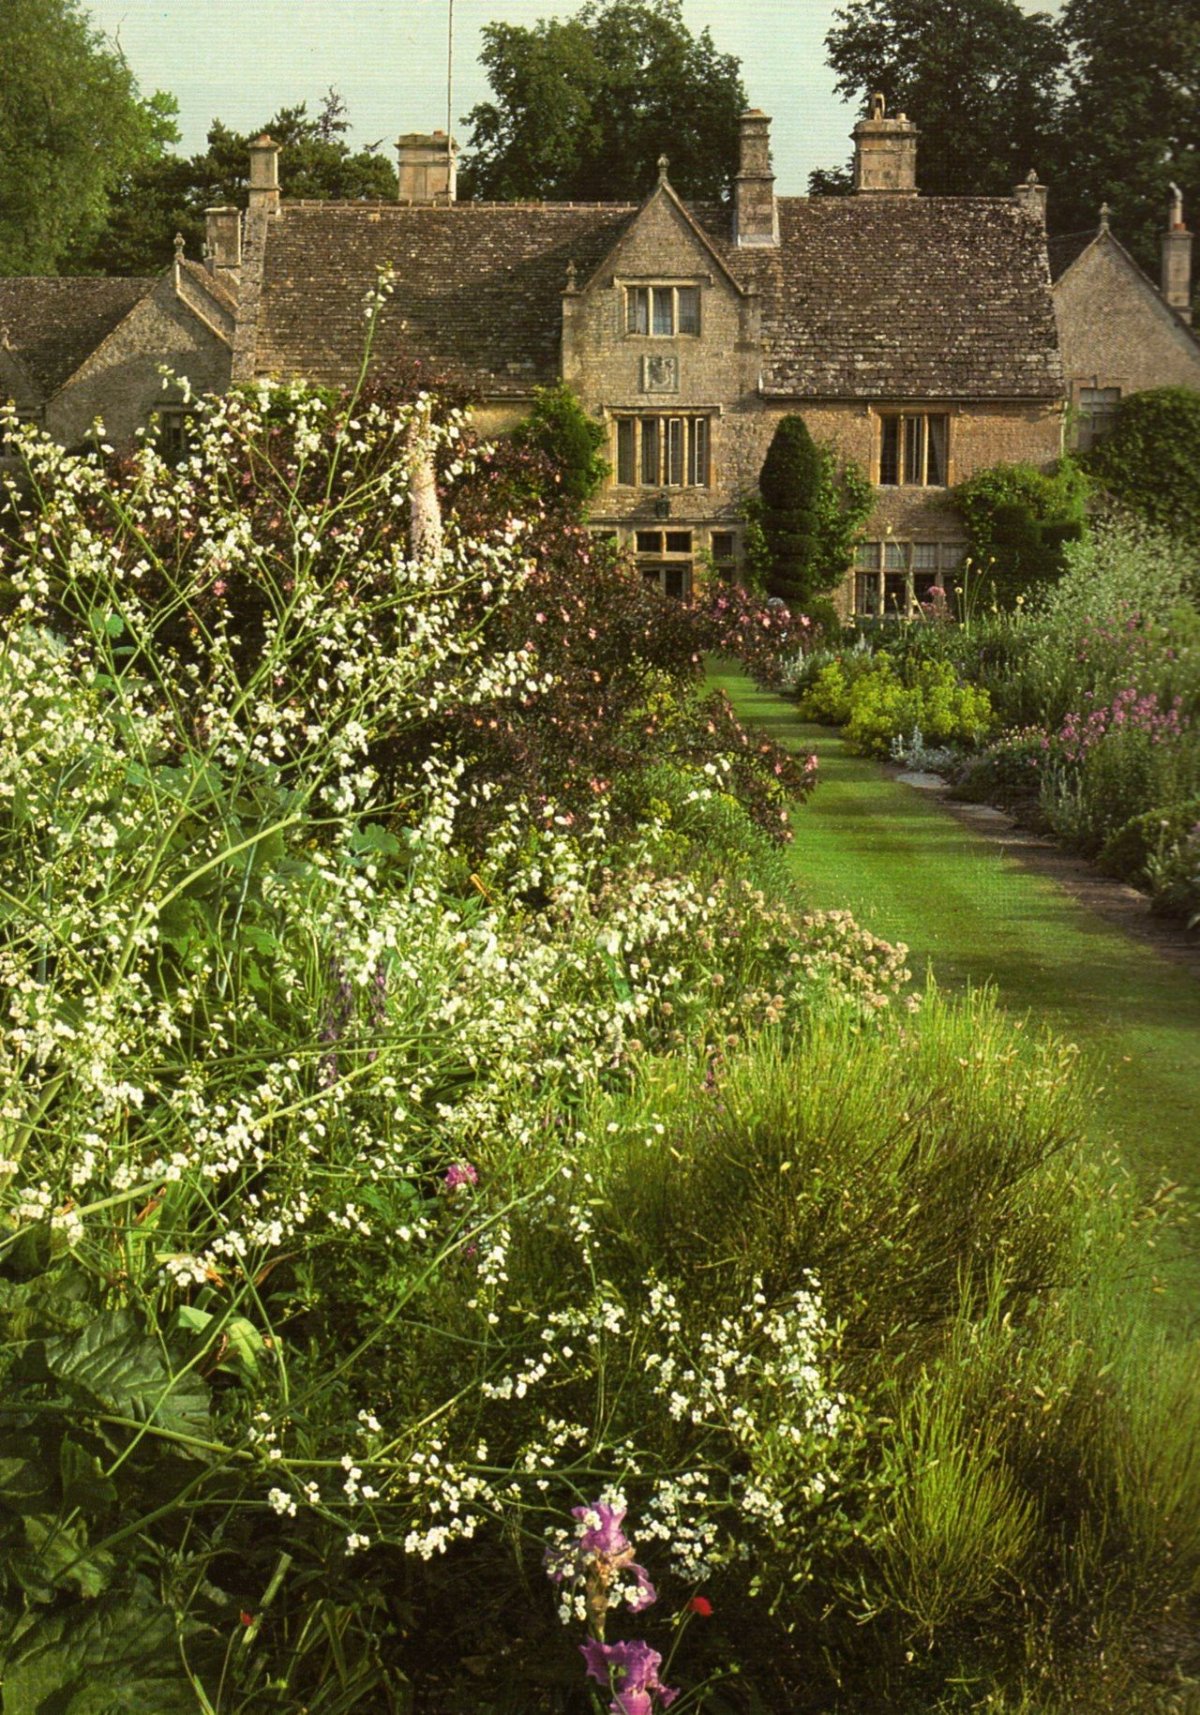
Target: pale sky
[(241, 60)]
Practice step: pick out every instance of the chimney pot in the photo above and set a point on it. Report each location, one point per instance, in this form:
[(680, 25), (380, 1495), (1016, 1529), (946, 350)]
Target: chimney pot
[(264, 174), (755, 216), (428, 167), (223, 240), (885, 153), (1177, 259)]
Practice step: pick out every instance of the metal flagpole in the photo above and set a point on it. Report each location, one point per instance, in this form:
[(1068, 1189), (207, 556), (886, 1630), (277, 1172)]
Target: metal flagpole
[(450, 74)]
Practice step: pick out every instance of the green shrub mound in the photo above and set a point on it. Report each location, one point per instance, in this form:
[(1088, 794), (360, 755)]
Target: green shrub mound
[(1018, 520), (878, 700), (1150, 460), (1153, 835)]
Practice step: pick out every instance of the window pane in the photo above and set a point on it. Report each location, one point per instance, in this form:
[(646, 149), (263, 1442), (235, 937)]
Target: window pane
[(650, 451), (679, 541), (889, 451), (637, 309), (867, 555), (649, 541), (689, 309), (675, 451), (698, 457), (677, 581), (952, 556), (914, 449), (626, 466), (925, 556), (866, 592), (894, 556), (664, 309), (722, 544), (935, 472)]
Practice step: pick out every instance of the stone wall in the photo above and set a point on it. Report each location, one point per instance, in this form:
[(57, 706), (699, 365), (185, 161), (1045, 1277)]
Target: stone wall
[(120, 382), (1116, 331)]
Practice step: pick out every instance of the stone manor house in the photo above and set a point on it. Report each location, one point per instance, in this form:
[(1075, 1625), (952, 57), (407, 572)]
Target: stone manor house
[(922, 337)]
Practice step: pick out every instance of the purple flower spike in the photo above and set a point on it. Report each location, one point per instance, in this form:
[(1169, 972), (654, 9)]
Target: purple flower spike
[(459, 1174), (631, 1669)]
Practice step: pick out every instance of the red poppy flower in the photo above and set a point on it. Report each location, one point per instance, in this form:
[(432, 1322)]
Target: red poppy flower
[(700, 1605)]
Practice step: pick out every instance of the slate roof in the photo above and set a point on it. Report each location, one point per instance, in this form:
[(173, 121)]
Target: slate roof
[(917, 297), (477, 297), (52, 325), (865, 297)]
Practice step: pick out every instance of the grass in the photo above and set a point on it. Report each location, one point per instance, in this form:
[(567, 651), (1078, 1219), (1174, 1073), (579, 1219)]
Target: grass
[(973, 915)]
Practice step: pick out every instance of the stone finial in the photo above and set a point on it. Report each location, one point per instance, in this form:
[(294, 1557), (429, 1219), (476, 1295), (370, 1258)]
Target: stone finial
[(179, 247), (1105, 211), (572, 277), (1031, 195), (663, 164)]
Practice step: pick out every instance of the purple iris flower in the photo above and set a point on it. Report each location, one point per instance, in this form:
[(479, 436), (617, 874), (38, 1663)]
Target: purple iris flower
[(603, 1550), (631, 1669)]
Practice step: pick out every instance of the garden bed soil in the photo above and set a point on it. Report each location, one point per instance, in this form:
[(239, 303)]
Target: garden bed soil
[(1116, 901)]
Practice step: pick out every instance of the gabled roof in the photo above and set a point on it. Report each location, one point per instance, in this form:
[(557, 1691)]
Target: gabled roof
[(477, 294), (53, 325), (865, 297)]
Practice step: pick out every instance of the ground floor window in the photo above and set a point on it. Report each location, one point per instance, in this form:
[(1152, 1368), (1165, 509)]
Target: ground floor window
[(664, 558), (663, 452), (895, 578)]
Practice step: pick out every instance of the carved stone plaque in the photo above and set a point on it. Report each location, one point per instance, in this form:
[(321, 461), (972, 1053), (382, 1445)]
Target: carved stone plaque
[(660, 374)]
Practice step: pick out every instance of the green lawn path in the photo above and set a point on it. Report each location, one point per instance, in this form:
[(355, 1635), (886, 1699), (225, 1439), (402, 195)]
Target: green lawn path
[(911, 872)]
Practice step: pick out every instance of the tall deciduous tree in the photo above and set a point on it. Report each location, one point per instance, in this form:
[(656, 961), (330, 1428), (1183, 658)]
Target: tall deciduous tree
[(73, 125), (171, 194), (583, 107), (1132, 118), (979, 77)]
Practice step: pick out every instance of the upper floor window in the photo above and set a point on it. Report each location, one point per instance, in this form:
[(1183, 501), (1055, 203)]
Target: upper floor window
[(663, 452), (912, 449), (662, 310), (1098, 407)]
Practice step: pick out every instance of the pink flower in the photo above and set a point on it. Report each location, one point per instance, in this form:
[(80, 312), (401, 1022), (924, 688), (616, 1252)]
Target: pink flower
[(631, 1671), (460, 1174)]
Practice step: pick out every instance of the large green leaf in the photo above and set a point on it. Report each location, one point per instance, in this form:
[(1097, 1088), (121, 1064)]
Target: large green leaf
[(115, 1656), (116, 1367)]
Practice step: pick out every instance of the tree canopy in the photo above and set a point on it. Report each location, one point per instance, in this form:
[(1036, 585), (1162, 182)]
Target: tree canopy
[(1101, 101), (170, 194), (73, 128), (979, 77), (583, 107), (1131, 118)]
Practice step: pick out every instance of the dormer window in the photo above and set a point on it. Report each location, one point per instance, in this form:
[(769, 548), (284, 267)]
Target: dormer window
[(662, 311)]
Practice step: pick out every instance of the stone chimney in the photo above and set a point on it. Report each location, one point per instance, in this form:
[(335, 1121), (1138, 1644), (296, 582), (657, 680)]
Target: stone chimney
[(223, 240), (1177, 259), (755, 216), (428, 167), (264, 175), (885, 154), (1031, 196)]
